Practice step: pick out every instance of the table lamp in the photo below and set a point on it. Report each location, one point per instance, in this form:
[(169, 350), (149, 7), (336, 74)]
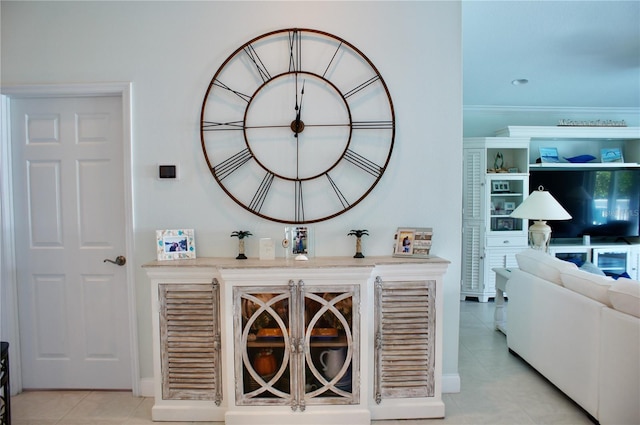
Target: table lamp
[(540, 206)]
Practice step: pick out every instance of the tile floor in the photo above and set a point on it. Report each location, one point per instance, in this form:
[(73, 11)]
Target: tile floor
[(497, 388)]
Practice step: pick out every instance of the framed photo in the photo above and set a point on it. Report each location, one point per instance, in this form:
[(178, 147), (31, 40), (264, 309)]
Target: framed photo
[(505, 224), (413, 242), (175, 244), (549, 155), (499, 186), (509, 207), (611, 155), (297, 241)]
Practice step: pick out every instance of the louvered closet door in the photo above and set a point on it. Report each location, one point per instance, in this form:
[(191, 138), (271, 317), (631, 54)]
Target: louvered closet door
[(190, 341), (473, 180), (472, 238), (405, 339)]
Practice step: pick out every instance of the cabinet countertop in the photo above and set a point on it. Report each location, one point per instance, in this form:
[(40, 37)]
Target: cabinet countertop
[(313, 262)]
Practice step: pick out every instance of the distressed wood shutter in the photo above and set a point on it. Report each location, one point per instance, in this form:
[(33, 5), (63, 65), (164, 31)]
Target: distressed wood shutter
[(405, 339), (190, 341)]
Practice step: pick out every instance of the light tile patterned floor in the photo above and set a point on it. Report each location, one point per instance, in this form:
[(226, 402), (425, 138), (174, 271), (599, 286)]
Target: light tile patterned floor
[(497, 388)]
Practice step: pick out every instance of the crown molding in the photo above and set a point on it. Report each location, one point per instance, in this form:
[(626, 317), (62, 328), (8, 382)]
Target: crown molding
[(550, 109)]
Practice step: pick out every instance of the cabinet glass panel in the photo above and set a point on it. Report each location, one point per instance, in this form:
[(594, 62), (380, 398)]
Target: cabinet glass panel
[(506, 195), (577, 258), (611, 263)]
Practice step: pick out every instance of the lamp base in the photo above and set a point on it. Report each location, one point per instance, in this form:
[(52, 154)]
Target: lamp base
[(540, 235)]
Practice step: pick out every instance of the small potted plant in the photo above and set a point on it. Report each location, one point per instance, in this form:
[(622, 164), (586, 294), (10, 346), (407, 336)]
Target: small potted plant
[(358, 234), (241, 234)]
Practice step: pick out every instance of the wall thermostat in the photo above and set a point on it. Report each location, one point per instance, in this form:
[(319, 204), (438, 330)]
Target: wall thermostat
[(167, 172)]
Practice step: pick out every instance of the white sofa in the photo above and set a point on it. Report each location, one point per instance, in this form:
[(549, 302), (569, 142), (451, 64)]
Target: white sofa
[(585, 340)]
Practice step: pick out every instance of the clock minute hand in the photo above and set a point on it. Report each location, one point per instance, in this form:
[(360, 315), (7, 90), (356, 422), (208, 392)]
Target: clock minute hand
[(299, 125), (301, 96)]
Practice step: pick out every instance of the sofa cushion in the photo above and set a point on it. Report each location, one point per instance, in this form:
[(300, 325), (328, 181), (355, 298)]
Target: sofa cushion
[(625, 296), (590, 285), (543, 265)]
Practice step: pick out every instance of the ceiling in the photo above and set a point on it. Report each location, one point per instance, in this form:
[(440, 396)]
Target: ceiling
[(574, 53)]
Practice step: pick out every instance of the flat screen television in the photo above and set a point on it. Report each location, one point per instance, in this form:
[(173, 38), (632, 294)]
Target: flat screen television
[(603, 202)]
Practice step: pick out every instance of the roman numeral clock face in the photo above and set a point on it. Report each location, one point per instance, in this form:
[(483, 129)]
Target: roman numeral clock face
[(297, 126)]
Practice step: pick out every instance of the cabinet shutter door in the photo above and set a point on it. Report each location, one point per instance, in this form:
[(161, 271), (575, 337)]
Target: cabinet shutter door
[(190, 337), (473, 181), (405, 339)]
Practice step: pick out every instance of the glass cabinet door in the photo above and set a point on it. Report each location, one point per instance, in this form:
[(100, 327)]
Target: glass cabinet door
[(505, 196), (331, 344), (263, 355), (296, 345)]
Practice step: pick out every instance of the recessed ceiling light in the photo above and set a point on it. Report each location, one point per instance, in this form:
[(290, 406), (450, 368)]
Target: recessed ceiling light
[(520, 81)]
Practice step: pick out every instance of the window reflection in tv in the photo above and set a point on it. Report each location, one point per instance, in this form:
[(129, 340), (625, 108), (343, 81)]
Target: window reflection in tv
[(602, 202)]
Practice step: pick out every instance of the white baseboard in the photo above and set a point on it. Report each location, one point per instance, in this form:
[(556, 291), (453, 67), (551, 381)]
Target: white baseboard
[(450, 383), (146, 387)]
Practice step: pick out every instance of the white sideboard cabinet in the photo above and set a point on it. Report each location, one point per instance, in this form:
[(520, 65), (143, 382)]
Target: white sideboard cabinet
[(495, 182), (329, 340)]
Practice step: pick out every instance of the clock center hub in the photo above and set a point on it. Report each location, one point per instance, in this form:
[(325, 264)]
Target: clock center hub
[(297, 126)]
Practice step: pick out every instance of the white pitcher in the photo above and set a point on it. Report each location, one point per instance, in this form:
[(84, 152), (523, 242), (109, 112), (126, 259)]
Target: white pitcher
[(332, 361)]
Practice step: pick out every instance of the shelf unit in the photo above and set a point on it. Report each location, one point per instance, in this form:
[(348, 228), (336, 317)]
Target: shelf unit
[(489, 239), (572, 141)]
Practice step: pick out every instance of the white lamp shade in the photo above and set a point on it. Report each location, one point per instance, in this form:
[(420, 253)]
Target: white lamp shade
[(540, 205)]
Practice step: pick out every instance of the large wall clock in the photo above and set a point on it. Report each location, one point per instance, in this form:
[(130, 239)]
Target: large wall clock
[(297, 126)]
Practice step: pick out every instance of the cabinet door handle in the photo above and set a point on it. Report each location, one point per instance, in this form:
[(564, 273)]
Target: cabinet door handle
[(505, 241)]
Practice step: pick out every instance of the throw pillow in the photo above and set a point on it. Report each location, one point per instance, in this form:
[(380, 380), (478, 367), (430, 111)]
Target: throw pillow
[(623, 274), (588, 284), (591, 268), (543, 265), (625, 296)]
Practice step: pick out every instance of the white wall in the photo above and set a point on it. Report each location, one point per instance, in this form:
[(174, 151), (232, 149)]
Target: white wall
[(170, 50)]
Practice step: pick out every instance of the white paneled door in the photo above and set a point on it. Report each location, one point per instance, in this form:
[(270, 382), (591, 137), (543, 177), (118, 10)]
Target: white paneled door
[(69, 217)]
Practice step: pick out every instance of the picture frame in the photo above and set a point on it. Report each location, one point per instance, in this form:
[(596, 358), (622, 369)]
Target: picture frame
[(611, 155), (549, 155), (498, 186), (298, 242), (509, 207), (413, 242), (505, 224), (175, 244)]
